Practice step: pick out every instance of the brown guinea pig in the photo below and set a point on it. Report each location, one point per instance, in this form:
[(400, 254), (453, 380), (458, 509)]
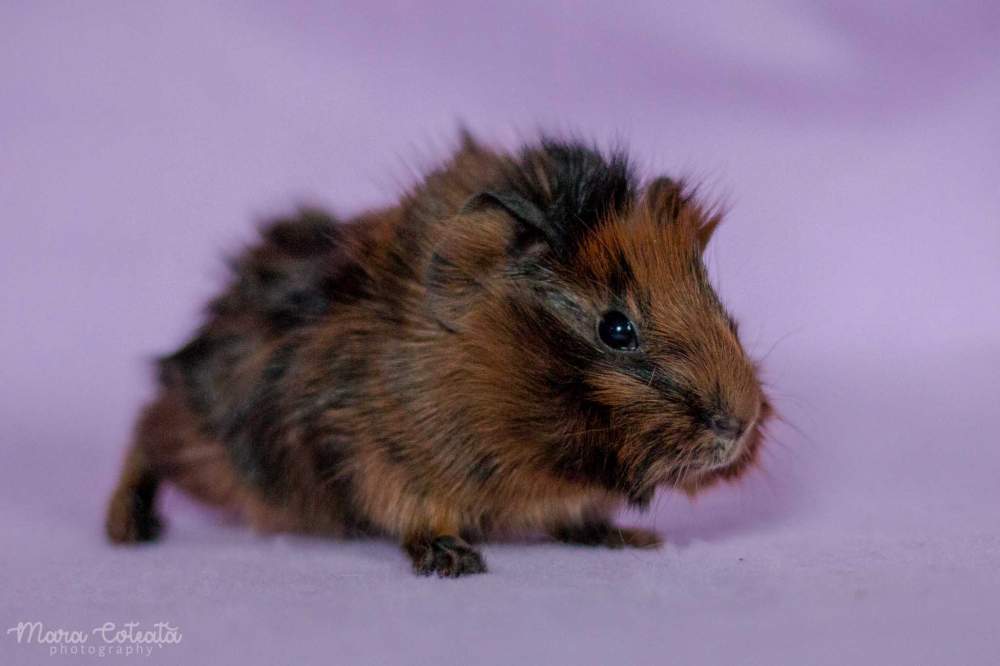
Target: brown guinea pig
[(524, 343)]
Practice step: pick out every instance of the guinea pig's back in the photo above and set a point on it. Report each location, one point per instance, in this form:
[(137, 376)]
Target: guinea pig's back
[(302, 268), (266, 280)]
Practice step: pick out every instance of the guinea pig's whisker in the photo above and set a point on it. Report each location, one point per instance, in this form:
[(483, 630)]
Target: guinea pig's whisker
[(778, 342)]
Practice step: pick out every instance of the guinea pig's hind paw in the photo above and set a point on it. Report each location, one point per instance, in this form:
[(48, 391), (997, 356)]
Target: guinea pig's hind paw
[(131, 517), (130, 527), (635, 537), (607, 535), (447, 556)]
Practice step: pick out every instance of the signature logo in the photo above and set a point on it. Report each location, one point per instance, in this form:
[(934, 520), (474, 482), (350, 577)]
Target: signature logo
[(109, 638)]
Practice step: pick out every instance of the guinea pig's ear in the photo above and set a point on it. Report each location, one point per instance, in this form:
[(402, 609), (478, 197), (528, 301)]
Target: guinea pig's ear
[(665, 198), (530, 218), (669, 201), (491, 230), (707, 228)]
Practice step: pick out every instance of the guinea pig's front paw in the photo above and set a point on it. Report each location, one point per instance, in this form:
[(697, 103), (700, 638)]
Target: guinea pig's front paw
[(447, 556), (607, 535)]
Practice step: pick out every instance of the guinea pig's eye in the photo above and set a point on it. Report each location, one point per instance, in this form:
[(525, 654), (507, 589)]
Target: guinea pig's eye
[(617, 331)]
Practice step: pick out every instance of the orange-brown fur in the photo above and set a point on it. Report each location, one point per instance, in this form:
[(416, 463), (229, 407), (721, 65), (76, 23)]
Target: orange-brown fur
[(432, 372)]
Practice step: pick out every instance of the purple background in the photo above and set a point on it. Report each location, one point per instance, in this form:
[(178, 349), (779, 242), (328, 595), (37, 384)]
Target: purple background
[(857, 147)]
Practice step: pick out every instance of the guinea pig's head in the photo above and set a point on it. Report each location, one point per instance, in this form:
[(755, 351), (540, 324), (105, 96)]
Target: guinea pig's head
[(585, 319)]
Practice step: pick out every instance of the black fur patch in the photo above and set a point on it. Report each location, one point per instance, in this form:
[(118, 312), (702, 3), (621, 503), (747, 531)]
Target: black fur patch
[(568, 360), (622, 278), (394, 450), (147, 522), (484, 468), (330, 458), (202, 367), (295, 275), (311, 232), (251, 431), (347, 283), (574, 186)]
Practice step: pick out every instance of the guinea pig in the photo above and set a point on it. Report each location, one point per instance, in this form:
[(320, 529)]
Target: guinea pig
[(526, 342)]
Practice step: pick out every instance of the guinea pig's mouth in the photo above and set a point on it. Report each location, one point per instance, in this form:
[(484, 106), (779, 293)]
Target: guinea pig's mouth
[(729, 438), (722, 452), (718, 448)]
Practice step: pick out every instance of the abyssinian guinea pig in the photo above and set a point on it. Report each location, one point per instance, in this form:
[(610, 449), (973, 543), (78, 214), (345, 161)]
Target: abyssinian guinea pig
[(525, 342)]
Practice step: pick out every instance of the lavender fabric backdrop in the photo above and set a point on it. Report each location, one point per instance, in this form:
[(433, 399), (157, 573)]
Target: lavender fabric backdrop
[(856, 145)]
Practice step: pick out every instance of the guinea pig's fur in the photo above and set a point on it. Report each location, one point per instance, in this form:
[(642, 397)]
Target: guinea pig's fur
[(440, 371)]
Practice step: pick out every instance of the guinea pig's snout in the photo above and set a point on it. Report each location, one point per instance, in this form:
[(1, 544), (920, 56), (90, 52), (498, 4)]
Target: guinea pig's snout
[(728, 431), (727, 427)]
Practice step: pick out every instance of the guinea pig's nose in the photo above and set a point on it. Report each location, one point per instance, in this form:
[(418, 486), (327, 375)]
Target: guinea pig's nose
[(727, 427)]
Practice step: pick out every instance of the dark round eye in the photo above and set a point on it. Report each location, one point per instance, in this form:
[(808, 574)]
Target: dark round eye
[(617, 331)]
